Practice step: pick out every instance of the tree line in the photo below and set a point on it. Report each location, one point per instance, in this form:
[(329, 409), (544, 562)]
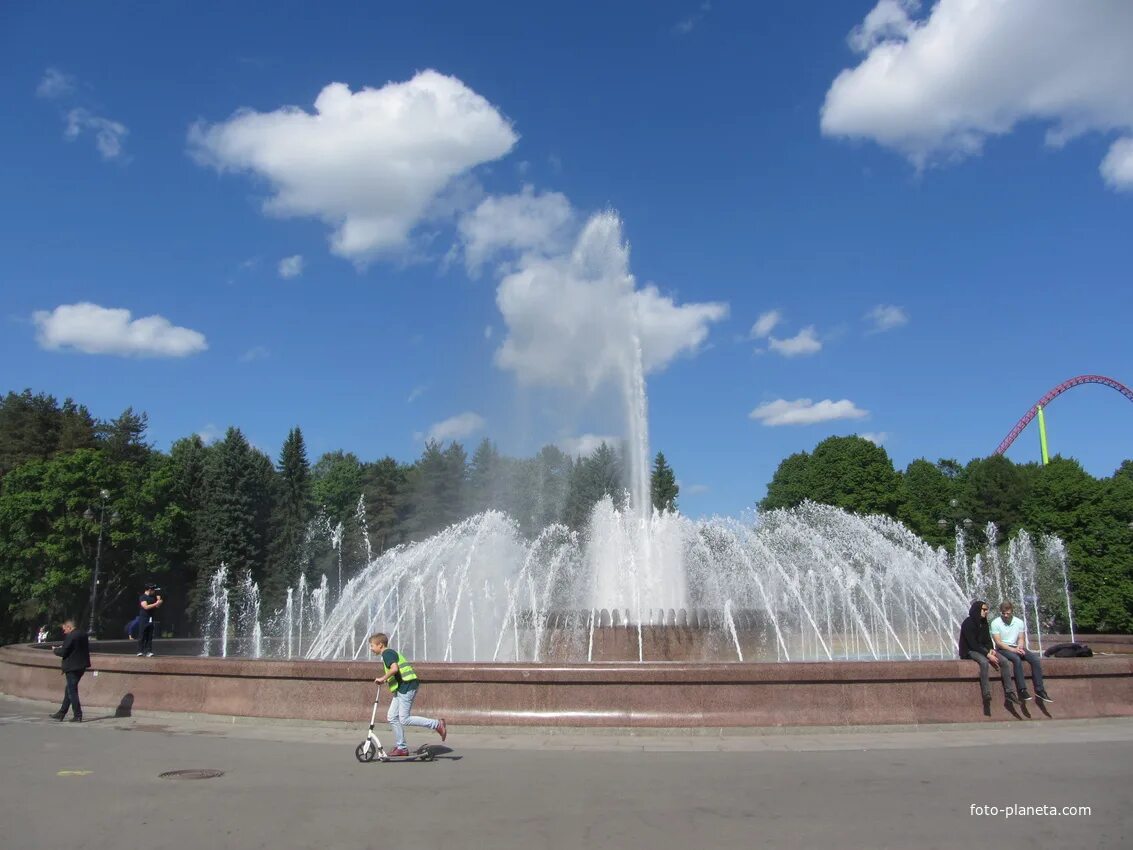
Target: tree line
[(175, 516), (1093, 516)]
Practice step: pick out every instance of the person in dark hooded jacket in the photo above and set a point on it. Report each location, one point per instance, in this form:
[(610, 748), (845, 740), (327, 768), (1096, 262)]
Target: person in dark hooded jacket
[(975, 643)]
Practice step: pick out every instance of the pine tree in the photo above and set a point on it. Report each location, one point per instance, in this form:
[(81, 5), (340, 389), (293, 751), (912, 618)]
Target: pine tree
[(292, 515), (663, 487)]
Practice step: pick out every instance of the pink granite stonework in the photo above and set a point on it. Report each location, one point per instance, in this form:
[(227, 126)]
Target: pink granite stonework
[(658, 694)]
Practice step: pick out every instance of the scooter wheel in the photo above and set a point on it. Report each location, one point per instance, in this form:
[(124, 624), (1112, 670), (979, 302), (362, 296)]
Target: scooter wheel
[(364, 753)]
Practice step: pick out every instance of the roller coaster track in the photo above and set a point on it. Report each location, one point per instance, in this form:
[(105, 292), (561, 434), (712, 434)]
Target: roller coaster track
[(1055, 393)]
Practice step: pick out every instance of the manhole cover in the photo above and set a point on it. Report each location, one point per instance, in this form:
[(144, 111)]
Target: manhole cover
[(191, 774)]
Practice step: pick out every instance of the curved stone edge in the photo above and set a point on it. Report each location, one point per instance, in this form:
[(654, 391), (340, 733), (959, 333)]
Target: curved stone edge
[(844, 693)]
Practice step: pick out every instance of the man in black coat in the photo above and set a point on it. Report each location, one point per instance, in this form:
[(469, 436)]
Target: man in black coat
[(75, 653), (976, 644)]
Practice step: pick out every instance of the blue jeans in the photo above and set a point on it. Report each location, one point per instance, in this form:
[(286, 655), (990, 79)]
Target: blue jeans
[(71, 693), (400, 715), (1016, 664)]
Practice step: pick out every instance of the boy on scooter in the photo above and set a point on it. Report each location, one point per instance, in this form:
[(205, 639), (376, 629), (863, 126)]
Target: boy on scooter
[(403, 684)]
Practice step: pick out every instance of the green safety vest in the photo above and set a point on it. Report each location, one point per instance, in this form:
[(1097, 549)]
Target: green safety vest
[(404, 672)]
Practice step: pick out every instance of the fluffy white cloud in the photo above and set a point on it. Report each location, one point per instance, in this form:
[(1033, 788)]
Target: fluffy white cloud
[(875, 437), (572, 320), (92, 329), (455, 427), (585, 445), (804, 342), (936, 87), (1117, 167), (523, 223), (369, 163), (210, 434), (886, 317), (55, 84), (803, 411), (292, 266), (765, 324), (108, 135), (416, 393)]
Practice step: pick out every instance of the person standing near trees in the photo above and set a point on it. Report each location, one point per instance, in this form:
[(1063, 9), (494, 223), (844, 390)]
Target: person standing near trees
[(75, 652), (150, 600)]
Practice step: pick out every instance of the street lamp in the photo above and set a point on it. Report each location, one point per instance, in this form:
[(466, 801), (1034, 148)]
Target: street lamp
[(966, 521), (89, 514)]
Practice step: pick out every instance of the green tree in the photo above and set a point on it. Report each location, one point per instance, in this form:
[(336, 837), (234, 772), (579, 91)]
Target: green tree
[(601, 474), (993, 489), (337, 484), (293, 510), (925, 494), (386, 487), (663, 487), (790, 485)]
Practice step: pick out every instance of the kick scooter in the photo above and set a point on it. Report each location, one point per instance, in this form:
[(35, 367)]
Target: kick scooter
[(371, 747)]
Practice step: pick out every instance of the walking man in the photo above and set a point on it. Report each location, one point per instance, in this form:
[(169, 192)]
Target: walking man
[(75, 652), (403, 684)]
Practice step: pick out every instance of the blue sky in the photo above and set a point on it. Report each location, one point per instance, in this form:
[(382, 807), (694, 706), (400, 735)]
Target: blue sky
[(361, 220)]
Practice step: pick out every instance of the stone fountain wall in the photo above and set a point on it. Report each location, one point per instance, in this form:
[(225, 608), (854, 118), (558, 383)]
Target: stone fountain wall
[(675, 694)]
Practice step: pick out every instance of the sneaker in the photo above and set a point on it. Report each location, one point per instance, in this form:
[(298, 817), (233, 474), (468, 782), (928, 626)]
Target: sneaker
[(398, 752), (1011, 698), (149, 655), (442, 730), (1025, 696), (140, 654), (1044, 696), (58, 715), (78, 718)]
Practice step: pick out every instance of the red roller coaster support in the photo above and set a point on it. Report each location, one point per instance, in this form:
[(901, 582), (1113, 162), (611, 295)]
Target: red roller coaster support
[(1055, 393)]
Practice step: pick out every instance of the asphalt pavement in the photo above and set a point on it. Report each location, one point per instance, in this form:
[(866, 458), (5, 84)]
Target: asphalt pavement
[(99, 784)]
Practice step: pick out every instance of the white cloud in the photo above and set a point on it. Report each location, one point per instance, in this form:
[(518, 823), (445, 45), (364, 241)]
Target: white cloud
[(875, 437), (585, 445), (210, 434), (695, 489), (572, 319), (416, 393), (455, 427), (936, 87), (1117, 167), (687, 25), (487, 331), (886, 317), (92, 329), (258, 352), (55, 84), (803, 411), (888, 21), (368, 163), (804, 342), (108, 135), (524, 223), (765, 324), (290, 267)]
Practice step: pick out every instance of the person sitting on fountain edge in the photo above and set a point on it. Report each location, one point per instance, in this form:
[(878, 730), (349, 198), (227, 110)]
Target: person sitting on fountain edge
[(975, 643), (403, 684), (1010, 635)]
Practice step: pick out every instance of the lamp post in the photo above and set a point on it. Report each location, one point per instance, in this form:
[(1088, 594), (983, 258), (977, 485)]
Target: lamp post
[(104, 495), (966, 522)]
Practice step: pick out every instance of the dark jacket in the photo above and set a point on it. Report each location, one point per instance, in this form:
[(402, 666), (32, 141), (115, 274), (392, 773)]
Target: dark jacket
[(75, 652), (975, 633)]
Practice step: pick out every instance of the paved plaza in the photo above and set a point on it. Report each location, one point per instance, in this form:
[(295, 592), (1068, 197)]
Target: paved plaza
[(289, 785)]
